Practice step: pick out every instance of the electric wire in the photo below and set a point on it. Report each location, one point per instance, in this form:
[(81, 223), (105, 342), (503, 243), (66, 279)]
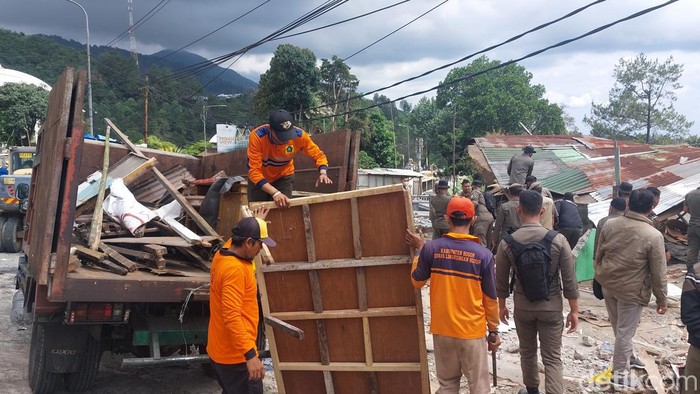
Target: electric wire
[(201, 67), (388, 35), (216, 30), (513, 61), (141, 21), (444, 66), (341, 22)]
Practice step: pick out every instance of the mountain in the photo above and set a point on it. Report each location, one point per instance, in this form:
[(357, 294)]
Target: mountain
[(216, 79), (45, 57)]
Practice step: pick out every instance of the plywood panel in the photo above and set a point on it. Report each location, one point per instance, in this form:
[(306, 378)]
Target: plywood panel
[(289, 291), (385, 287), (394, 339), (333, 240), (380, 219), (354, 298)]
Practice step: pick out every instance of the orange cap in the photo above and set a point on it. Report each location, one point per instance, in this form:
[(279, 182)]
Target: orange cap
[(460, 208)]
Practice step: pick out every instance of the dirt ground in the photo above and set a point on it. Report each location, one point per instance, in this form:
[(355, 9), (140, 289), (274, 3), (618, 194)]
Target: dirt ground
[(585, 353)]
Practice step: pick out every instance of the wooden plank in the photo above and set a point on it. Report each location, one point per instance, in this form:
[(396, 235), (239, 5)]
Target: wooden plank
[(165, 241), (347, 366), (337, 263), (316, 292), (357, 243), (284, 326), (158, 251), (308, 232), (187, 234), (347, 313), (369, 359), (655, 378), (361, 288), (96, 226), (331, 197), (118, 258), (133, 253), (195, 259), (99, 259), (201, 223), (320, 324), (230, 208)]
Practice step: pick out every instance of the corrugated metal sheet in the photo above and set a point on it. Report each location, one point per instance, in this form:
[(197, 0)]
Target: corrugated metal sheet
[(568, 154), (520, 141), (546, 163), (568, 181)]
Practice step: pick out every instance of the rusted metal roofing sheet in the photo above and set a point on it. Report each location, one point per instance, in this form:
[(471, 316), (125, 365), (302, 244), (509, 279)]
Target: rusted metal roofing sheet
[(571, 180), (520, 141)]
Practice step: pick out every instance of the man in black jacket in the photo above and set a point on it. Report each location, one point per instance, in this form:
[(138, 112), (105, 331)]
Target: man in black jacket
[(570, 223), (690, 316)]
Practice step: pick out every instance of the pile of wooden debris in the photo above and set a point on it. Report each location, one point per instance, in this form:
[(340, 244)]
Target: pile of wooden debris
[(160, 244)]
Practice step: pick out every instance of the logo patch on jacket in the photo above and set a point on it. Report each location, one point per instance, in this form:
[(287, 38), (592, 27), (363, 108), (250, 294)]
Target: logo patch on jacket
[(289, 149)]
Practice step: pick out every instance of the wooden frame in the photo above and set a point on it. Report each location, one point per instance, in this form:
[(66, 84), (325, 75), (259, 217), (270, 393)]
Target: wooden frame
[(340, 272)]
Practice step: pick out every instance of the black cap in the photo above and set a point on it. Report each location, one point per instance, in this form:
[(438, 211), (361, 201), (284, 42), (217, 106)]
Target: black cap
[(282, 123), (569, 196), (253, 227), (625, 187), (442, 184), (529, 149), (477, 182)]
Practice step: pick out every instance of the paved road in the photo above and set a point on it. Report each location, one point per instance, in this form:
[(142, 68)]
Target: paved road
[(14, 356)]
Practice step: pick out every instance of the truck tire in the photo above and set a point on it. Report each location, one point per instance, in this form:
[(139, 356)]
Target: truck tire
[(89, 365), (3, 218), (40, 379), (9, 232)]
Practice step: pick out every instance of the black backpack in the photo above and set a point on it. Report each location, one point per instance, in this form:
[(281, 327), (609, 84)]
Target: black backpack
[(533, 266), (490, 202)]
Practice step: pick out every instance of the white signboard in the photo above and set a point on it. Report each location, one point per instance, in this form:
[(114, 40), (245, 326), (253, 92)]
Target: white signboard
[(228, 138)]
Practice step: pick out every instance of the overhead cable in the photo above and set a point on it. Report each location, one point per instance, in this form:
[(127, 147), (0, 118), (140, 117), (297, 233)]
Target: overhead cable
[(141, 21)]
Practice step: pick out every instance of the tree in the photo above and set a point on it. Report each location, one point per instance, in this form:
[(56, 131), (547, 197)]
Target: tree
[(291, 81), (640, 104), (337, 83), (377, 140), (498, 101), (22, 106)]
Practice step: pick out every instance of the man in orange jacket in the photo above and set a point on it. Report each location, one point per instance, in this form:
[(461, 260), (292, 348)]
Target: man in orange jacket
[(233, 307), (271, 151)]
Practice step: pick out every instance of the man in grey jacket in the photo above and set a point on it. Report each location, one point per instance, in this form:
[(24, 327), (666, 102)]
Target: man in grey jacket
[(630, 265), (520, 167)]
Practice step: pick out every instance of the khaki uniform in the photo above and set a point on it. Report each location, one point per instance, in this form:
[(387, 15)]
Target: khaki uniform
[(539, 319), (519, 168), (630, 264), (483, 226), (438, 208), (507, 220), (550, 212)]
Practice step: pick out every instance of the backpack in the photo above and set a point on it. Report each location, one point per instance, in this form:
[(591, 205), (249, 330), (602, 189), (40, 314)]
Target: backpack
[(490, 202), (533, 266)]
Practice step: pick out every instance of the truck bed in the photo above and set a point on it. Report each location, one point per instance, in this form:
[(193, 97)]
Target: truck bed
[(92, 284)]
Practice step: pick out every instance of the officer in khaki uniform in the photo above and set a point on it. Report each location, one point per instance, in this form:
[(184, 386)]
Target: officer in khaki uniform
[(507, 220), (483, 226), (539, 319)]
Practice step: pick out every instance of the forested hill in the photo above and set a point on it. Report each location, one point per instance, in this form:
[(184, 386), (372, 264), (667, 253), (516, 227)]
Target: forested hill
[(45, 57)]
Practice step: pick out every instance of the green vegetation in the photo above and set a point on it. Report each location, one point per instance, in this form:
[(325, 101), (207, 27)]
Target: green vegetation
[(640, 104)]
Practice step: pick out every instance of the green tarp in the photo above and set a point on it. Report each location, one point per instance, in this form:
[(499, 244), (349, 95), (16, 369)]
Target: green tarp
[(584, 260)]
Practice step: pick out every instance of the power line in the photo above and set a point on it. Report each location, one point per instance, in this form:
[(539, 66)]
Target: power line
[(386, 36), (201, 67), (532, 54), (214, 31), (514, 38), (341, 22)]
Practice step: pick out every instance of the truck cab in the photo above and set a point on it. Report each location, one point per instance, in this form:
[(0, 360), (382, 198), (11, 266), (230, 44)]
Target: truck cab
[(14, 192)]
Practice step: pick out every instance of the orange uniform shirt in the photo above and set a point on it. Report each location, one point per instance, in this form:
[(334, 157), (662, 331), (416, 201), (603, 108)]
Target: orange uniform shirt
[(233, 307), (268, 162)]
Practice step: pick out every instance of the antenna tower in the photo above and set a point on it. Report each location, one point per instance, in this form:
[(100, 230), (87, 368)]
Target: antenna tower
[(132, 34)]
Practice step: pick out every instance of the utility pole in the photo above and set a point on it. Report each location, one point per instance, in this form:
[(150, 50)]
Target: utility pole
[(393, 131), (204, 121), (145, 113), (454, 143), (89, 71)]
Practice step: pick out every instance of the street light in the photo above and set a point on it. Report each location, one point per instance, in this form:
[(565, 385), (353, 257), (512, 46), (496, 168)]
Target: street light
[(204, 120), (89, 71)]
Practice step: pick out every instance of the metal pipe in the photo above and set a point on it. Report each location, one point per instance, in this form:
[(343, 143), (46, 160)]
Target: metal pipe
[(179, 360), (89, 70)]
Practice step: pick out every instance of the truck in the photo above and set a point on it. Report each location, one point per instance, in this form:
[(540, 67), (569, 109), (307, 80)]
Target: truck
[(14, 192), (77, 314)]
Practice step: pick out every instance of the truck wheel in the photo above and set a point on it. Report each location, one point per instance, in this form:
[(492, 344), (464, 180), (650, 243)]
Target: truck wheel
[(2, 221), (10, 242), (40, 380), (89, 365)]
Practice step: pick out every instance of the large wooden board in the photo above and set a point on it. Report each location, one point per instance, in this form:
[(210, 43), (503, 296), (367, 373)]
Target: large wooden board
[(340, 272)]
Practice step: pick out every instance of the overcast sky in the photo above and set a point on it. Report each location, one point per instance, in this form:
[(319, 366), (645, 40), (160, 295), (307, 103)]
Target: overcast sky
[(573, 75)]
